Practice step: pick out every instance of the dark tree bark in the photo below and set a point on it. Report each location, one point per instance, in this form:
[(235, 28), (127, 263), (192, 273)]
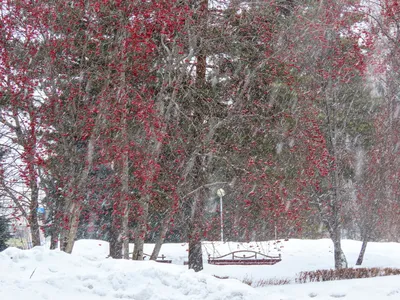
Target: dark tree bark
[(195, 253), (195, 234), (160, 239), (54, 239), (196, 224), (115, 237), (362, 252)]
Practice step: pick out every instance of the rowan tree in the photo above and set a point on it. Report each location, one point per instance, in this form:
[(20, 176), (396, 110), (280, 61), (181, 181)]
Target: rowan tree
[(232, 109), (377, 205), (147, 108), (21, 110), (334, 100)]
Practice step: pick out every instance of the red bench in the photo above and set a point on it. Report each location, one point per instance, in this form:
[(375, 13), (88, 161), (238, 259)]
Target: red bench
[(244, 257)]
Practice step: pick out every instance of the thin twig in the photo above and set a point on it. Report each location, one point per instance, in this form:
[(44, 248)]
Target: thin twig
[(33, 273)]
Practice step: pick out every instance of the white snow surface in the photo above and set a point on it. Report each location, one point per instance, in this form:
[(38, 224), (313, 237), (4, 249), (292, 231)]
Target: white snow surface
[(40, 273)]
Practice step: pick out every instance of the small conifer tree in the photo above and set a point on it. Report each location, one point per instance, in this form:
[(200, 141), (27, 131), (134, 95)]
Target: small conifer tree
[(4, 232)]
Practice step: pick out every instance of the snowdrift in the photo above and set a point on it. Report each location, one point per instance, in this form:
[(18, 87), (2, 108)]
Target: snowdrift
[(40, 273), (43, 274)]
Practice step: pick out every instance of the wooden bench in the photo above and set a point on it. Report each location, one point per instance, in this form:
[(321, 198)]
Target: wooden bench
[(244, 257), (160, 259)]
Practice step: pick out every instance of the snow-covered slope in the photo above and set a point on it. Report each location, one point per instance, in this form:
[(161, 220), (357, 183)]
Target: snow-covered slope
[(87, 273), (43, 274)]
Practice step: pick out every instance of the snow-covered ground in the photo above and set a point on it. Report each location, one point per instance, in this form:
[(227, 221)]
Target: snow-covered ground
[(39, 273)]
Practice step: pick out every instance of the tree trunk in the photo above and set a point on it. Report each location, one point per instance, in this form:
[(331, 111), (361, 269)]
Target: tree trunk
[(125, 231), (54, 239), (63, 239), (35, 229), (70, 236), (196, 222), (115, 242), (340, 258), (141, 231), (195, 251), (33, 216), (138, 249), (201, 64), (125, 194), (196, 230), (55, 228), (73, 209), (160, 239), (124, 157), (362, 252)]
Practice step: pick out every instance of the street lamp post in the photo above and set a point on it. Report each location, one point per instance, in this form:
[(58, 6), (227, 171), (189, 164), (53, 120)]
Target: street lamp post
[(221, 193)]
